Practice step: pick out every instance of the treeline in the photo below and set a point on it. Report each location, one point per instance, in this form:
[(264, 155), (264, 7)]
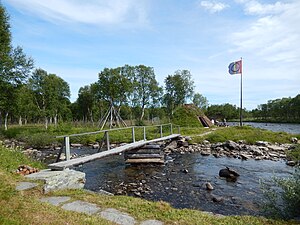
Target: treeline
[(279, 110), (30, 95), (284, 110)]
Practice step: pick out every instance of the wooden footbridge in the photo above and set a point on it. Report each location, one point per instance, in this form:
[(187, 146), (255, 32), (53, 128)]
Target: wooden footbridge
[(134, 145)]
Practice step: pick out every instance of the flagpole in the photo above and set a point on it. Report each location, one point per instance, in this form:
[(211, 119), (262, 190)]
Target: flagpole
[(241, 103)]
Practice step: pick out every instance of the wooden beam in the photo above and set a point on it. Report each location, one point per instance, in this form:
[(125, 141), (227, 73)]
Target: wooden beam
[(73, 162)]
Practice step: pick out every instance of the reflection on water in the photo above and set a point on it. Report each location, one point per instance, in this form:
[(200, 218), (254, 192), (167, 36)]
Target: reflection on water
[(285, 127), (181, 182)]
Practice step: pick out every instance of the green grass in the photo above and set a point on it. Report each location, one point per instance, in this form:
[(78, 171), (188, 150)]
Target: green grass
[(247, 133)]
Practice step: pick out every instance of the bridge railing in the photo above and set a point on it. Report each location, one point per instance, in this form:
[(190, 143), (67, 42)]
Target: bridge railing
[(161, 128)]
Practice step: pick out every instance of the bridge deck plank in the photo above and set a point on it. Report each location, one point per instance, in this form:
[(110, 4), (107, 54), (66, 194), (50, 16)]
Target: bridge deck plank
[(73, 162)]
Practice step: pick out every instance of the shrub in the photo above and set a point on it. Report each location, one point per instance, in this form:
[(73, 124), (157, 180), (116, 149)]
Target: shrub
[(283, 196), (40, 140)]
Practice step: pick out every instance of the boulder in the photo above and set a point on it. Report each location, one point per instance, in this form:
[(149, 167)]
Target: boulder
[(57, 180), (228, 173), (231, 145)]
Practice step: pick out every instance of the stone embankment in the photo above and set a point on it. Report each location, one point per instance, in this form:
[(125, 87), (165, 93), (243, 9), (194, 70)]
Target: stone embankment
[(261, 150)]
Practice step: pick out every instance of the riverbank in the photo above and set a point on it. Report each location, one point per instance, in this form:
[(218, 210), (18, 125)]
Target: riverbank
[(24, 207)]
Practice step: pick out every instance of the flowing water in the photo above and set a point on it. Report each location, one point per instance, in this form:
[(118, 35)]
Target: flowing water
[(181, 181), (292, 128)]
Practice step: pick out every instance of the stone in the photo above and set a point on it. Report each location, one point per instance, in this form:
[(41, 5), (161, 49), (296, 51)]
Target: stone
[(231, 145), (262, 143), (185, 170), (209, 186), (276, 148), (56, 201), (188, 138), (76, 145), (294, 140), (206, 142), (245, 157), (152, 222), (82, 207), (23, 186), (117, 217), (56, 180), (217, 199), (228, 173), (291, 163)]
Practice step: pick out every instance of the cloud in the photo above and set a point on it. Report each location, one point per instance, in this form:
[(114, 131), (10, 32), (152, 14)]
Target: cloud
[(253, 7), (212, 7), (275, 35), (99, 12)]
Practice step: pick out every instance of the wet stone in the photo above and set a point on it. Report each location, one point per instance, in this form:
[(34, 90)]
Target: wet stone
[(82, 207), (55, 200), (117, 217)]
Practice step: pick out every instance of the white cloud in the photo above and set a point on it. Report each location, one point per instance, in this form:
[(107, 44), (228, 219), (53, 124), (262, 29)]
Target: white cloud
[(253, 7), (100, 12), (212, 7), (275, 37)]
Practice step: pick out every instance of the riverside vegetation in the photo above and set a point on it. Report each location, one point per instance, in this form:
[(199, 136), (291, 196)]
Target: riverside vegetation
[(24, 207)]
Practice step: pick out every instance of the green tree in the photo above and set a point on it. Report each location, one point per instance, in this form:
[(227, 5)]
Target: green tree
[(15, 68), (51, 95), (146, 89), (200, 101), (179, 88)]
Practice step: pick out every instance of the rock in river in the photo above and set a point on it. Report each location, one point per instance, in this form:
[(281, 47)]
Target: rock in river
[(228, 173)]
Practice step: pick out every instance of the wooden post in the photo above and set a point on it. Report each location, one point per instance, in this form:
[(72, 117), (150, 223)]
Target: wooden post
[(107, 140), (133, 135), (160, 130), (171, 128), (178, 129), (144, 130), (67, 147)]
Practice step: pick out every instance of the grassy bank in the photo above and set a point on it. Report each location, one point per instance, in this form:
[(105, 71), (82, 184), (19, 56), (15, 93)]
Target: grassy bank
[(246, 133), (36, 136), (24, 208)]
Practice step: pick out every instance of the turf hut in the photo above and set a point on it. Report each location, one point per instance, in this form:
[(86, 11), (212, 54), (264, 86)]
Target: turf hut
[(190, 115)]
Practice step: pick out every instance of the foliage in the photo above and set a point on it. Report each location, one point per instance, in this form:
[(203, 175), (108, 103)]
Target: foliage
[(283, 196), (219, 112), (146, 91), (51, 94), (200, 101), (179, 87), (15, 67), (279, 110)]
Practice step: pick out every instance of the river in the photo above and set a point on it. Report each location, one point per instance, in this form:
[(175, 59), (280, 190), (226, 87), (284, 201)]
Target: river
[(285, 127), (181, 181)]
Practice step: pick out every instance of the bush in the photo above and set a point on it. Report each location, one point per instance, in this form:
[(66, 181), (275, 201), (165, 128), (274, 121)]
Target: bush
[(283, 196), (40, 140)]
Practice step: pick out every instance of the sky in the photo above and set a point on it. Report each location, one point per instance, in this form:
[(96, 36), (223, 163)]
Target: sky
[(77, 39)]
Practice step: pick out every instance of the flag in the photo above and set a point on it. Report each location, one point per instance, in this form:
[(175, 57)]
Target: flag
[(235, 67)]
